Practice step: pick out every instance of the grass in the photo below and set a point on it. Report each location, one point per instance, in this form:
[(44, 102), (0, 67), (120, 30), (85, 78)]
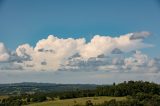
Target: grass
[(3, 97), (75, 101)]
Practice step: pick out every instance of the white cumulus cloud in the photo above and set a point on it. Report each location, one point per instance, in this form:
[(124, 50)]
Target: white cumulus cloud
[(55, 54), (106, 44), (4, 55)]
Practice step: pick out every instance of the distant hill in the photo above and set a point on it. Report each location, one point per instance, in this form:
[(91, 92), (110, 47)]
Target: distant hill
[(33, 87)]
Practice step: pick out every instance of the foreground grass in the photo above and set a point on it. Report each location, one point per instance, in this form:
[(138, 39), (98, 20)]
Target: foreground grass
[(3, 97), (76, 101)]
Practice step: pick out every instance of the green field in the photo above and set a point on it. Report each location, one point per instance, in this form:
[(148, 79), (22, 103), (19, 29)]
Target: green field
[(76, 101)]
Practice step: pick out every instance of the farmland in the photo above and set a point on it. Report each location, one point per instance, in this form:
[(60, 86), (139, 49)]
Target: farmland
[(78, 101)]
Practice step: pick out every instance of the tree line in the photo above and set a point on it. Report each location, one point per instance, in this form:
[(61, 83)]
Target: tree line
[(139, 93)]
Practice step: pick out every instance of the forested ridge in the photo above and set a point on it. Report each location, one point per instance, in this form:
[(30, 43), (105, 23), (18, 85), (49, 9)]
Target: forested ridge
[(138, 93), (33, 87)]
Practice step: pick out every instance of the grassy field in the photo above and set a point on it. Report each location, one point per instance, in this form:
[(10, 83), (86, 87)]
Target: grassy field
[(3, 97), (82, 101)]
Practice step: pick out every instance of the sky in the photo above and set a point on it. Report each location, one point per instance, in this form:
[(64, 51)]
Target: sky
[(79, 41)]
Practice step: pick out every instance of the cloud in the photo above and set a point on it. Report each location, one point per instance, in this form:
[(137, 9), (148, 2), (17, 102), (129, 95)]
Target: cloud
[(106, 44), (4, 55), (116, 51), (50, 53), (10, 66), (25, 52), (135, 63), (55, 54), (139, 35)]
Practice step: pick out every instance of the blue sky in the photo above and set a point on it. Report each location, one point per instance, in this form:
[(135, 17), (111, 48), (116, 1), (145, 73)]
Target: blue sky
[(28, 21)]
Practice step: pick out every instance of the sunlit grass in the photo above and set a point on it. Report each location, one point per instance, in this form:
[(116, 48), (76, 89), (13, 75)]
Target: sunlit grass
[(76, 101), (3, 97)]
